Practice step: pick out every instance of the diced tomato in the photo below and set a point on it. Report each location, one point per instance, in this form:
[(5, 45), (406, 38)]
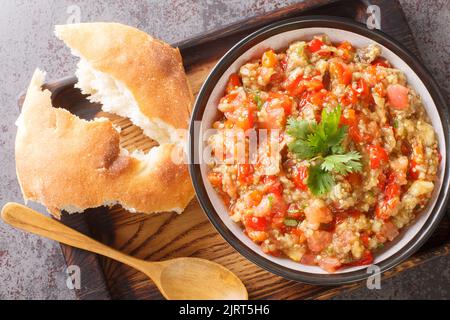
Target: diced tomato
[(272, 118), (384, 210), (330, 264), (377, 156), (247, 119), (319, 240), (341, 72), (316, 98), (350, 97), (277, 100), (309, 259), (398, 96), (273, 185), (243, 117), (391, 201), (229, 102), (315, 45), (361, 88), (300, 175), (381, 62), (356, 135), (392, 190), (346, 77), (215, 179), (255, 223), (318, 213), (349, 118), (245, 173), (269, 59), (233, 82), (295, 87), (239, 110), (388, 231), (354, 132)]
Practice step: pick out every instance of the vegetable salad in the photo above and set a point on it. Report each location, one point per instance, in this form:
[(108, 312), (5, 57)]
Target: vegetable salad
[(347, 159)]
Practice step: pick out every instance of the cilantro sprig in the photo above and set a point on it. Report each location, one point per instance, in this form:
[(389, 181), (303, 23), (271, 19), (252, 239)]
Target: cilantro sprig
[(323, 143), (343, 163)]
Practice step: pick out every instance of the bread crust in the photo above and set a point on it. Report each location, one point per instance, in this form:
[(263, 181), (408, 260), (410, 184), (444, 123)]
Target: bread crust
[(152, 70), (65, 162)]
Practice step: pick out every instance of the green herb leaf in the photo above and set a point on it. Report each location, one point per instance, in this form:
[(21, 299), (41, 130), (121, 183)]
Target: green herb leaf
[(330, 121), (302, 149), (317, 139), (300, 129), (291, 222), (343, 163), (323, 142), (258, 100), (319, 181)]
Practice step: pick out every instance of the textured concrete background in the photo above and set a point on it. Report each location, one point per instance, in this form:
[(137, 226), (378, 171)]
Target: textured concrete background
[(33, 268)]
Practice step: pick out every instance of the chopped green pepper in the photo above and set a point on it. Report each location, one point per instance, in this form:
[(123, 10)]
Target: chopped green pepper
[(291, 222)]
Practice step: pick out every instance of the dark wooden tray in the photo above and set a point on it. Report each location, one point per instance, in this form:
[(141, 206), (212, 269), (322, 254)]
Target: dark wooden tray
[(164, 236)]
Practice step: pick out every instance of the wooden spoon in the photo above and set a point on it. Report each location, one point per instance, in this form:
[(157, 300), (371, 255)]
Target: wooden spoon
[(177, 279)]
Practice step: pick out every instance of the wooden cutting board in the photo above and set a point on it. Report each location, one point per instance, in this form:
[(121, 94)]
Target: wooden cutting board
[(168, 235)]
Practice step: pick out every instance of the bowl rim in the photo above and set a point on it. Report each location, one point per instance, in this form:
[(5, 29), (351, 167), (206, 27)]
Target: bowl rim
[(326, 22)]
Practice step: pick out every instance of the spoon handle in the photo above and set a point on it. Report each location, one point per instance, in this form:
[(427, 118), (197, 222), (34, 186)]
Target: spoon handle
[(29, 220)]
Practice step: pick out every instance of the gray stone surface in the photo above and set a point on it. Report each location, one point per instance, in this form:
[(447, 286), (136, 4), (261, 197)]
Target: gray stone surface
[(33, 268)]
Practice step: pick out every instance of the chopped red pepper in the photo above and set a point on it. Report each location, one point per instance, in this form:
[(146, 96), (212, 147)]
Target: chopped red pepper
[(300, 176), (255, 223), (315, 45), (377, 156), (233, 82), (273, 185), (245, 173), (381, 62)]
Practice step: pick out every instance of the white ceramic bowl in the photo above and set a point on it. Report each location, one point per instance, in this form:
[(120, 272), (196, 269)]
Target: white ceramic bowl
[(278, 37)]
